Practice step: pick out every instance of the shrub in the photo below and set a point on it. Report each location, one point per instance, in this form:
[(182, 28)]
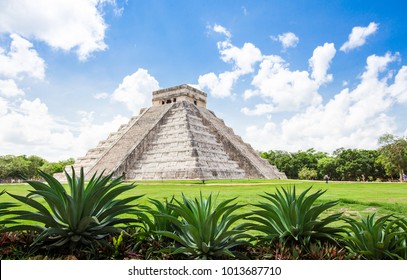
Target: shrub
[(156, 219), (377, 239), (149, 244), (205, 230), (307, 174), (89, 212), (288, 218)]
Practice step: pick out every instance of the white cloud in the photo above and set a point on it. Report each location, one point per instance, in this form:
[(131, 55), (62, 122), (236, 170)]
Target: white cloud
[(288, 40), (358, 36), (21, 59), (3, 107), (352, 119), (221, 30), (101, 95), (249, 93), (257, 137), (376, 64), (219, 86), (320, 62), (9, 88), (91, 133), (260, 109), (287, 90), (135, 90), (399, 88), (29, 128), (28, 124), (242, 60), (63, 24)]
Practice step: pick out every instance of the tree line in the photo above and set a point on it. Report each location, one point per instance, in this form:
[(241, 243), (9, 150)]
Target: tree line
[(388, 162), (15, 168)]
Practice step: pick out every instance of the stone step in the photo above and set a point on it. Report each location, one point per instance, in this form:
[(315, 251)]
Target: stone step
[(184, 142), (134, 133), (176, 141)]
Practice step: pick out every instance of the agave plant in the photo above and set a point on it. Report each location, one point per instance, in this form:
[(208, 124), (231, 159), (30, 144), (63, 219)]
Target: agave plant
[(377, 239), (88, 212), (288, 218), (156, 219), (5, 208), (204, 229), (147, 242)]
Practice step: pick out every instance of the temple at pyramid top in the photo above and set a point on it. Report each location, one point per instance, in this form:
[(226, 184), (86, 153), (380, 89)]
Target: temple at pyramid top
[(176, 138), (179, 93)]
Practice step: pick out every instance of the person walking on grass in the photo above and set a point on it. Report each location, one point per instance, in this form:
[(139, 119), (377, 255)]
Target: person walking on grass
[(326, 178)]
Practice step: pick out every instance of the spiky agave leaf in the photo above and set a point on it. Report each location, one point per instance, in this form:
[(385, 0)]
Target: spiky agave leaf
[(293, 218), (83, 213), (377, 239), (206, 230), (5, 209), (156, 219)]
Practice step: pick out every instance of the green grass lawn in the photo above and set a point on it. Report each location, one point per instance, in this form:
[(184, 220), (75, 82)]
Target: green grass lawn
[(355, 198)]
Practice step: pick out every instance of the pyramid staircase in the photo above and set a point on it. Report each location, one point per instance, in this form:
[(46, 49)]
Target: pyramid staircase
[(177, 138)]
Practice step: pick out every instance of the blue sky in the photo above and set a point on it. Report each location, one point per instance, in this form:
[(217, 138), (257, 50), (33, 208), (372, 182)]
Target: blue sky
[(287, 75)]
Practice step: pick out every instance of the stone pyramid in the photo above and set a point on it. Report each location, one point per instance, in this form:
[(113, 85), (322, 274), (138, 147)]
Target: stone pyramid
[(176, 138)]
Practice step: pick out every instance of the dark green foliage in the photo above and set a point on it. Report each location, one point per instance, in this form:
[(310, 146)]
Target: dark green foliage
[(393, 152), (377, 239), (88, 212), (5, 209), (156, 219), (287, 225), (149, 247), (351, 164), (307, 174), (292, 219), (56, 167), (204, 229), (20, 167), (148, 242), (292, 163), (344, 164)]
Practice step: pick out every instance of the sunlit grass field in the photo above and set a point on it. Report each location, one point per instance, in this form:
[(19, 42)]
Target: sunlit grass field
[(354, 198)]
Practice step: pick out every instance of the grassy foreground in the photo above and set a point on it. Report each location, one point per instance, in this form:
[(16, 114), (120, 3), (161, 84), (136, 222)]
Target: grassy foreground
[(267, 223), (355, 198)]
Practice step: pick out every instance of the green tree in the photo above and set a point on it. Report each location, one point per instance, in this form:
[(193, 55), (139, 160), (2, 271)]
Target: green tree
[(57, 167), (390, 169), (394, 153), (349, 167), (282, 160), (327, 166), (5, 166), (353, 164), (17, 167), (344, 164), (305, 159), (292, 163), (307, 174), (35, 163)]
